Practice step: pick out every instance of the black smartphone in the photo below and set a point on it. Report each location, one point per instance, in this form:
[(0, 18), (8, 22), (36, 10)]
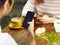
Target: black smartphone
[(28, 18)]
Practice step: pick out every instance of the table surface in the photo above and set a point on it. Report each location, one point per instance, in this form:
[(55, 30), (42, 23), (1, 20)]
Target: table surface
[(23, 38)]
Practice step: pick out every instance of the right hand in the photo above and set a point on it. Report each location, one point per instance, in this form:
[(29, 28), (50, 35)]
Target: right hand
[(31, 27)]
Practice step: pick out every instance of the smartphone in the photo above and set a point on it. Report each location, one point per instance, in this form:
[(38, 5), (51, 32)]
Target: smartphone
[(28, 18)]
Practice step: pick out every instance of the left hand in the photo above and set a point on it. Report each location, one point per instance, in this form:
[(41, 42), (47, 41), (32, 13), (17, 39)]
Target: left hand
[(47, 19)]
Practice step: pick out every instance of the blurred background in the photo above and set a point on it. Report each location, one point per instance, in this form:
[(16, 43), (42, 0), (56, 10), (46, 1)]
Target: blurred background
[(16, 11)]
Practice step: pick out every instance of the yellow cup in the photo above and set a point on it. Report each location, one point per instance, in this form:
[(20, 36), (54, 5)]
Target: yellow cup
[(16, 22)]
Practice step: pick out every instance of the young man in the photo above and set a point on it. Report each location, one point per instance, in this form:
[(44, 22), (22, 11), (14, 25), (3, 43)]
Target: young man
[(5, 8)]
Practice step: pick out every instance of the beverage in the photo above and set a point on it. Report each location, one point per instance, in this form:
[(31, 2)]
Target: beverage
[(16, 22), (57, 26)]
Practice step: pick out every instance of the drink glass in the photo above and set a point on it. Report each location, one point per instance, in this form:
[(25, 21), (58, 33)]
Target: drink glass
[(57, 25), (16, 22)]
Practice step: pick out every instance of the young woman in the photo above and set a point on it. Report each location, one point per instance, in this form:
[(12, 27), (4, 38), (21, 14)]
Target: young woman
[(43, 7)]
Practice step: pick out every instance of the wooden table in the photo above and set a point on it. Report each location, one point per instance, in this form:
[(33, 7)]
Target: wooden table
[(23, 38), (49, 27), (20, 35)]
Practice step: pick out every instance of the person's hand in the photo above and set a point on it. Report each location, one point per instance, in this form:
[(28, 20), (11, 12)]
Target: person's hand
[(31, 27), (47, 19)]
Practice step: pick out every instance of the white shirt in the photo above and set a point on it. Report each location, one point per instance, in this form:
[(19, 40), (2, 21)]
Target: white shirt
[(6, 39)]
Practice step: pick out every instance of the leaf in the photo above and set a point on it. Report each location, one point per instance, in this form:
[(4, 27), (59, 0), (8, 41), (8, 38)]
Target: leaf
[(53, 36)]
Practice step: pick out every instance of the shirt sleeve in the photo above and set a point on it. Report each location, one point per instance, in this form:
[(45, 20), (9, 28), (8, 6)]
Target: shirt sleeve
[(29, 6)]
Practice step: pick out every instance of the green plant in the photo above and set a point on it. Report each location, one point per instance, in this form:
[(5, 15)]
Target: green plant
[(51, 37)]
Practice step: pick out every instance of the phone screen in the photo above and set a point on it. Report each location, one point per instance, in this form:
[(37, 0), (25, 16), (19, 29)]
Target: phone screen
[(28, 18)]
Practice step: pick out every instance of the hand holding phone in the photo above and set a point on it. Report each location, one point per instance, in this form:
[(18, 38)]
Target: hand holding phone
[(28, 18)]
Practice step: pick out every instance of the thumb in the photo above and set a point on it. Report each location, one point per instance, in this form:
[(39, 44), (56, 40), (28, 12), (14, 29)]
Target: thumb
[(29, 23)]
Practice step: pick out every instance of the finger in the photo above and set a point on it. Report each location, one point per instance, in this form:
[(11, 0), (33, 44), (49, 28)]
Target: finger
[(33, 20), (39, 17), (29, 22)]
